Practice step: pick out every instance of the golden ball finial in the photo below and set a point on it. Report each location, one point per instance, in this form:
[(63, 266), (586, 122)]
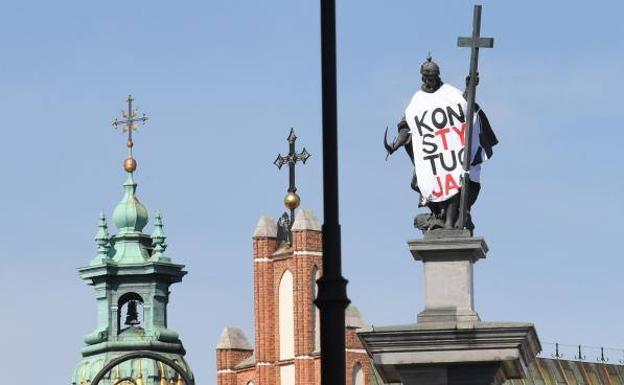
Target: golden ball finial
[(130, 164), (292, 200)]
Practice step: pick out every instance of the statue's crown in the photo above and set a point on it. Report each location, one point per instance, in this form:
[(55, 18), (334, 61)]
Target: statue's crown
[(429, 67)]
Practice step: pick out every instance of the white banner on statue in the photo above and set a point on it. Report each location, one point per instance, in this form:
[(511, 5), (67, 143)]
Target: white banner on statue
[(437, 123)]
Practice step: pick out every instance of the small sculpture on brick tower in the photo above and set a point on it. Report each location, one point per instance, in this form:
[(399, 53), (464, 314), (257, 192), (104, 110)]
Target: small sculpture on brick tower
[(284, 235)]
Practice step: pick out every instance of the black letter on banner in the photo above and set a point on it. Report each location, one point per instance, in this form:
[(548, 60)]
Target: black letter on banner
[(460, 156), (451, 168), (441, 124), (432, 158), (451, 113), (420, 123), (434, 147)]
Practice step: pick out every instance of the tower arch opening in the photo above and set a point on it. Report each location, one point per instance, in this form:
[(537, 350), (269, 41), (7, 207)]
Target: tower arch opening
[(358, 374), (286, 316), (316, 321)]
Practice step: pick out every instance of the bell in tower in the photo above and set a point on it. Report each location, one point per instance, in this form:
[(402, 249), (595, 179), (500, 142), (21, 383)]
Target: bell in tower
[(132, 316)]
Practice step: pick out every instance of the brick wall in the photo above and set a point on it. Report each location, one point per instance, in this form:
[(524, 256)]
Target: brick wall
[(229, 358)]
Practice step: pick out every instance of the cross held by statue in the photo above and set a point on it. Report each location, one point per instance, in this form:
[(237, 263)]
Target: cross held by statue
[(474, 43), (291, 200)]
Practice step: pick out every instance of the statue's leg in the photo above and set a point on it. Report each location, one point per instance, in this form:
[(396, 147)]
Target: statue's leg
[(473, 192), (452, 209)]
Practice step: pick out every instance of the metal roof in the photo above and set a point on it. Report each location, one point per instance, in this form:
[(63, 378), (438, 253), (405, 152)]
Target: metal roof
[(551, 371)]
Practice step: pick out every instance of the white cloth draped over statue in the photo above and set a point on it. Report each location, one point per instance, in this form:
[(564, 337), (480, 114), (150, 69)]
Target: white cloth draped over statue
[(437, 123)]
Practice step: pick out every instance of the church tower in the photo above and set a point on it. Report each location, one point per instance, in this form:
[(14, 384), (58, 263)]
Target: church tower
[(287, 333), (287, 260), (131, 275)]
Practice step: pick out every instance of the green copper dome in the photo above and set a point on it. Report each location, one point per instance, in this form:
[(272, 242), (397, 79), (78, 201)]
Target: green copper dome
[(130, 215)]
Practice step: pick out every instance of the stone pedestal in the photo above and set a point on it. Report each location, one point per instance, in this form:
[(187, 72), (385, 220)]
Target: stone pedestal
[(449, 345), (448, 264)]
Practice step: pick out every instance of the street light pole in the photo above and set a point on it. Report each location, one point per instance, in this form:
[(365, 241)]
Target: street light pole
[(332, 295)]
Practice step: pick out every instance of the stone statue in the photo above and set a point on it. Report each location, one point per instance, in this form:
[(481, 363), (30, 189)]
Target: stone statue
[(444, 214), (284, 235)]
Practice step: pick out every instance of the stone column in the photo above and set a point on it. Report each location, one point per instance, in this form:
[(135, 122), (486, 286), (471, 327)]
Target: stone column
[(449, 344), (448, 268)]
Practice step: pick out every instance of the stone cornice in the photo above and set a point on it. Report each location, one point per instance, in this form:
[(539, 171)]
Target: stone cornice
[(513, 345), (174, 271), (471, 248)]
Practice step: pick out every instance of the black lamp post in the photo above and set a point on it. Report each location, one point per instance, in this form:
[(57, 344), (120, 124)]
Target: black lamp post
[(332, 296)]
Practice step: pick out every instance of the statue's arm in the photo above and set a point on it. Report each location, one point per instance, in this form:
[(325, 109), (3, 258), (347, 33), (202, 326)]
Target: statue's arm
[(402, 138), (468, 83)]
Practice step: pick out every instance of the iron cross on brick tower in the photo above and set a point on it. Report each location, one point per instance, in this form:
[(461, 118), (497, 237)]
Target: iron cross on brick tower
[(291, 200), (474, 43), (128, 125)]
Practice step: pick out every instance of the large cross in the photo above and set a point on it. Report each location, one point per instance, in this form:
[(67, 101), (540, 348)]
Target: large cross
[(291, 158), (129, 122), (474, 43)]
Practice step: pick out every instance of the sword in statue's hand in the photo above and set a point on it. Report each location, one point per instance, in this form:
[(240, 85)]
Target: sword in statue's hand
[(389, 148)]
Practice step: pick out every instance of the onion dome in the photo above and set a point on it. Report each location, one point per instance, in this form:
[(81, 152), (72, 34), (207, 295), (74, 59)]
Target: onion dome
[(130, 215)]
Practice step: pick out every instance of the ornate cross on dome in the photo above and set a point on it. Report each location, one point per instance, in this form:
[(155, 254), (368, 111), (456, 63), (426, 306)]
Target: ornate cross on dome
[(129, 124), (291, 200)]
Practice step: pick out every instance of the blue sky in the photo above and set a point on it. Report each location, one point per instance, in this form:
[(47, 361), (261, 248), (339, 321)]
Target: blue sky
[(223, 82)]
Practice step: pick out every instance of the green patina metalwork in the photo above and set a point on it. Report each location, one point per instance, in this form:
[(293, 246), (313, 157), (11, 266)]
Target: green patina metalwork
[(130, 266), (180, 371)]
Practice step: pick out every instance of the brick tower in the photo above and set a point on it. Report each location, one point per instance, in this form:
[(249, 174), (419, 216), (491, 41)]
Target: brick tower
[(287, 345)]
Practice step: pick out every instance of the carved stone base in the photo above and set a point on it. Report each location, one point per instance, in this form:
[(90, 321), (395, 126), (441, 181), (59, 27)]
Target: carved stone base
[(451, 353)]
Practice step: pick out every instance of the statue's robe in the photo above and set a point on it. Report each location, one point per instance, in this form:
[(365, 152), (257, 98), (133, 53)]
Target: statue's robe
[(483, 141)]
